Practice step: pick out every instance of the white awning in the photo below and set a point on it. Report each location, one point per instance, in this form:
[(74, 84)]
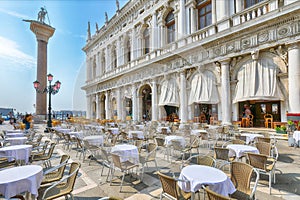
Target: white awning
[(204, 89), (169, 93), (258, 82)]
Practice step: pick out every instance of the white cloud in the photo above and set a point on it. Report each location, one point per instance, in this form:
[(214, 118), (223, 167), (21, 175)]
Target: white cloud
[(10, 53), (14, 14)]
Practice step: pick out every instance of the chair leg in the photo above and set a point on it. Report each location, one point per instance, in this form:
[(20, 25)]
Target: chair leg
[(270, 182), (122, 181)]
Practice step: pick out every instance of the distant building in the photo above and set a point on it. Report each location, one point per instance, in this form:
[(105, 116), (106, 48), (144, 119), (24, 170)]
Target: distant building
[(196, 57), (5, 111)]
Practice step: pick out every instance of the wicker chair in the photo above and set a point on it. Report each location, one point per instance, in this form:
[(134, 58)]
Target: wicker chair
[(200, 160), (263, 139), (94, 150), (57, 172), (124, 167), (234, 141), (241, 175), (65, 186), (264, 165), (7, 161), (215, 196), (161, 144), (177, 146), (221, 156), (106, 162), (171, 189), (264, 148), (45, 157), (149, 157)]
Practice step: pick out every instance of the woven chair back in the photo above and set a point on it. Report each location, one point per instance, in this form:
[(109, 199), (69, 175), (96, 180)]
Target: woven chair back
[(264, 148), (241, 176), (169, 185)]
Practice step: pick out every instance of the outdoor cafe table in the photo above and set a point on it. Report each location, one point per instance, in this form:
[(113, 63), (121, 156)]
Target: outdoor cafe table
[(126, 152), (169, 138), (251, 136), (140, 134), (140, 126), (239, 150), (296, 136), (16, 140), (15, 134), (96, 140), (198, 175), (78, 134), (198, 132), (20, 152), (114, 131), (21, 179), (159, 129), (14, 131)]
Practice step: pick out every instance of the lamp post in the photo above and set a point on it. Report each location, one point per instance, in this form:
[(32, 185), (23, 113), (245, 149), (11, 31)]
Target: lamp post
[(50, 89)]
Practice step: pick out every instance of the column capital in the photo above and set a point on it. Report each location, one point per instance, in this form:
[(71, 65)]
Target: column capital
[(294, 45), (42, 31)]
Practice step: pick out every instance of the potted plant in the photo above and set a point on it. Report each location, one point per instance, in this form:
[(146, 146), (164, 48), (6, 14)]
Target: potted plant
[(291, 126), (282, 129)]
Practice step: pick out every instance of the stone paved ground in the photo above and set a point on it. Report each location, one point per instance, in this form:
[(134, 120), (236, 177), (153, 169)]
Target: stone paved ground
[(90, 185)]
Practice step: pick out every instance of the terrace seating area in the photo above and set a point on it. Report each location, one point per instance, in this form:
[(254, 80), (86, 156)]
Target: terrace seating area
[(104, 160)]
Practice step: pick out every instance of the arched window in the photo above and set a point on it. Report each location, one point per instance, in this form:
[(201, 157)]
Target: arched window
[(128, 47), (146, 36), (249, 3), (170, 24), (204, 13)]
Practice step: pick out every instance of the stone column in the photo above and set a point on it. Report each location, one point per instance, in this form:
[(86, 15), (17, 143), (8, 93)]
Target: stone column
[(181, 19), (88, 106), (42, 32), (213, 12), (134, 103), (154, 32), (119, 104), (133, 45), (238, 6), (183, 98), (154, 101), (222, 10), (97, 106), (294, 77), (107, 112), (225, 92), (193, 17)]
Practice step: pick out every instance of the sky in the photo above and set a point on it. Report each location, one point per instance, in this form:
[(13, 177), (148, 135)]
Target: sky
[(66, 60)]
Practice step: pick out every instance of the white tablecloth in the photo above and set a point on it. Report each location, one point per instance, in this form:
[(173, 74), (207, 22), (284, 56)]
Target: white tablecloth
[(21, 179), (169, 138), (78, 134), (238, 150), (140, 134), (20, 152), (168, 129), (198, 175), (96, 140), (251, 136), (114, 131), (14, 131), (126, 152), (17, 134), (16, 140), (140, 126), (296, 136), (198, 132)]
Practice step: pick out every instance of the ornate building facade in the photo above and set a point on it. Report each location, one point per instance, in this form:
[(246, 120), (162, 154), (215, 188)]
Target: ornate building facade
[(157, 58)]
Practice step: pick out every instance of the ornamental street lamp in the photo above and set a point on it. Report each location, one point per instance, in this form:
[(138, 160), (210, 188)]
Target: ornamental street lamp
[(50, 89)]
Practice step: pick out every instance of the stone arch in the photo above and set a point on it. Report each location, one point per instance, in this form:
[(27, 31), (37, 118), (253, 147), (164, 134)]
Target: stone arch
[(145, 102)]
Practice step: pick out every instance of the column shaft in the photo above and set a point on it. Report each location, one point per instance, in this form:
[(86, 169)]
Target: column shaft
[(294, 78), (154, 102), (225, 92), (183, 98)]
